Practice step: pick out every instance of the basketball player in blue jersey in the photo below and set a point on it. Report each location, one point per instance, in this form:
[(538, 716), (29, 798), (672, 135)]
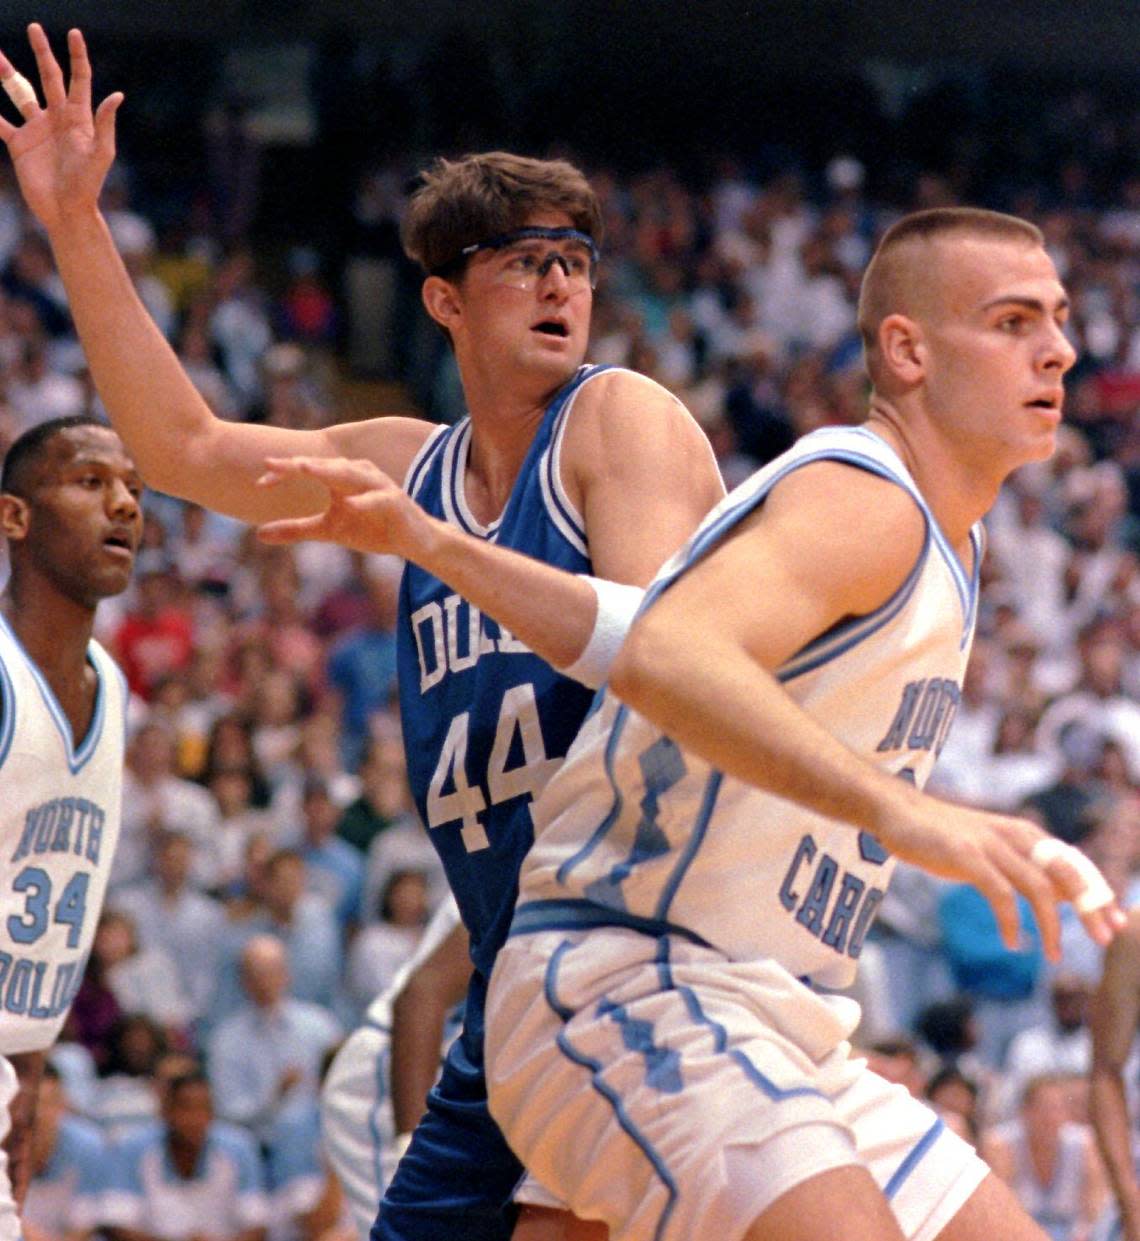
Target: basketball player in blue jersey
[(69, 510), (665, 1048), (595, 475)]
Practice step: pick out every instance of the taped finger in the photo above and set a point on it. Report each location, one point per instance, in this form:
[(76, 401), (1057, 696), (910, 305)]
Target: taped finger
[(1094, 892), (19, 90)]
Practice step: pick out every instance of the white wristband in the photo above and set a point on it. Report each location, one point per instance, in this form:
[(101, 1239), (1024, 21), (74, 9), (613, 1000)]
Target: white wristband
[(1095, 893), (400, 1144), (617, 605)]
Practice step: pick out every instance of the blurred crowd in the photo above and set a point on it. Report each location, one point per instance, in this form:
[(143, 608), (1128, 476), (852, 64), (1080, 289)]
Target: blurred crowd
[(272, 875)]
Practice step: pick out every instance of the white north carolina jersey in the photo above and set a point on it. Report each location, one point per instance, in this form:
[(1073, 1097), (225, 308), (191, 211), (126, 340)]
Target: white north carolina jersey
[(634, 831), (61, 807)]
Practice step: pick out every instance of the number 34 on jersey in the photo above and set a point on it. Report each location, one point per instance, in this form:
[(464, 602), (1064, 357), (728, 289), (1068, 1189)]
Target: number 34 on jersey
[(466, 799)]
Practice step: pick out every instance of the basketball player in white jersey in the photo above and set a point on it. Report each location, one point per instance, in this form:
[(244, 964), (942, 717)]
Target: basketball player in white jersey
[(69, 509), (664, 1048), (1114, 1023)]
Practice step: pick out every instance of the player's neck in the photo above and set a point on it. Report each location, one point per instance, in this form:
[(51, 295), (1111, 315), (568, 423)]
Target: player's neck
[(53, 629), (959, 493), (500, 440)]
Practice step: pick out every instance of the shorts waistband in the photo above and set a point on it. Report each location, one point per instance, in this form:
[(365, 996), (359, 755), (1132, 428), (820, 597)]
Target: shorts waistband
[(573, 915)]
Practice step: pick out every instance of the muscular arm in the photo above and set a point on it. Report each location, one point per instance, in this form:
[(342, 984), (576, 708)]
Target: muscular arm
[(1113, 1022), (828, 543), (418, 1016), (29, 1068), (634, 462), (61, 155)]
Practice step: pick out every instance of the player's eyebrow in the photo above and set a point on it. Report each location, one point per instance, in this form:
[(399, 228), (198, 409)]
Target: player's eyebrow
[(1027, 303)]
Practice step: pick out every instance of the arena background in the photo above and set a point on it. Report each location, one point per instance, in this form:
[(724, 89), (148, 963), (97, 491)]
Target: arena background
[(294, 129)]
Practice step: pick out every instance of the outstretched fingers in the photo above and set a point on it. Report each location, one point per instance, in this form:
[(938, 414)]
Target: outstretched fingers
[(1007, 872), (79, 90), (51, 75)]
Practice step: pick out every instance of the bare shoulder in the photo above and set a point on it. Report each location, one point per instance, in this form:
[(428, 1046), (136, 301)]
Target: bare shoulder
[(846, 522), (390, 442), (619, 401), (624, 423)]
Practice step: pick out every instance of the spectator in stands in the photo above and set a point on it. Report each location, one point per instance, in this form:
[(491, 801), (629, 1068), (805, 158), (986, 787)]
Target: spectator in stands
[(68, 1162), (381, 947), (156, 799), (176, 919), (265, 1059), (334, 870), (1049, 1161), (188, 1177)]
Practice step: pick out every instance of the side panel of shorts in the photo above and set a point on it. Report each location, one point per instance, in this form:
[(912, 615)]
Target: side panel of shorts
[(632, 1075), (356, 1121)]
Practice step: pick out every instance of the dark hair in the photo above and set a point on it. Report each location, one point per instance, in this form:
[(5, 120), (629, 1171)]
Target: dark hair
[(944, 1026), (947, 1075), (28, 448), (464, 201), (192, 1077)]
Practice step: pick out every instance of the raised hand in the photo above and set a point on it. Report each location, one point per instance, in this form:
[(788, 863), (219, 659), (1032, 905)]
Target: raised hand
[(366, 510), (62, 151)]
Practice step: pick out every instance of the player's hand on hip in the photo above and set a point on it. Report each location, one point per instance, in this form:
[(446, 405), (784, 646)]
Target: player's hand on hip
[(62, 150), (367, 511), (1002, 856)]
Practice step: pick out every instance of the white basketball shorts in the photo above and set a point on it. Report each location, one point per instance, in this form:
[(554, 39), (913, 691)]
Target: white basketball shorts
[(657, 1086)]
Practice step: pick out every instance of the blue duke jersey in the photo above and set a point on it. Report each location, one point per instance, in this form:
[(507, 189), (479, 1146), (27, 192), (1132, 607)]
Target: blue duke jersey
[(634, 831), (486, 722), (61, 808)]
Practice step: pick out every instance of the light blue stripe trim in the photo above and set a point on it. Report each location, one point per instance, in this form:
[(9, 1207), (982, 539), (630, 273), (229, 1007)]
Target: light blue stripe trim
[(778, 1094), (860, 630), (8, 709), (696, 839), (575, 915), (912, 1160), (596, 1068), (615, 810), (373, 1117), (76, 759)]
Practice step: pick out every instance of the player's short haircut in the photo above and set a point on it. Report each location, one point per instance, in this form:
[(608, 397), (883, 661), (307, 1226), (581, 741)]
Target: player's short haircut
[(884, 282), (28, 449), (468, 200)]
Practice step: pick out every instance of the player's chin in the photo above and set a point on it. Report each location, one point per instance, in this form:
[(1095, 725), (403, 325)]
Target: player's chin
[(112, 580)]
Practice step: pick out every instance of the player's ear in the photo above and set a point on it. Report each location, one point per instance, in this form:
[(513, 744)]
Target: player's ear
[(441, 301), (902, 349), (15, 516)]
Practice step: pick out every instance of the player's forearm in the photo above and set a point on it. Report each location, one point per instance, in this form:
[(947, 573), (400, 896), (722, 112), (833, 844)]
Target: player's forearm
[(549, 610), (710, 697), (29, 1068), (1108, 1109), (150, 399), (418, 1017)]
